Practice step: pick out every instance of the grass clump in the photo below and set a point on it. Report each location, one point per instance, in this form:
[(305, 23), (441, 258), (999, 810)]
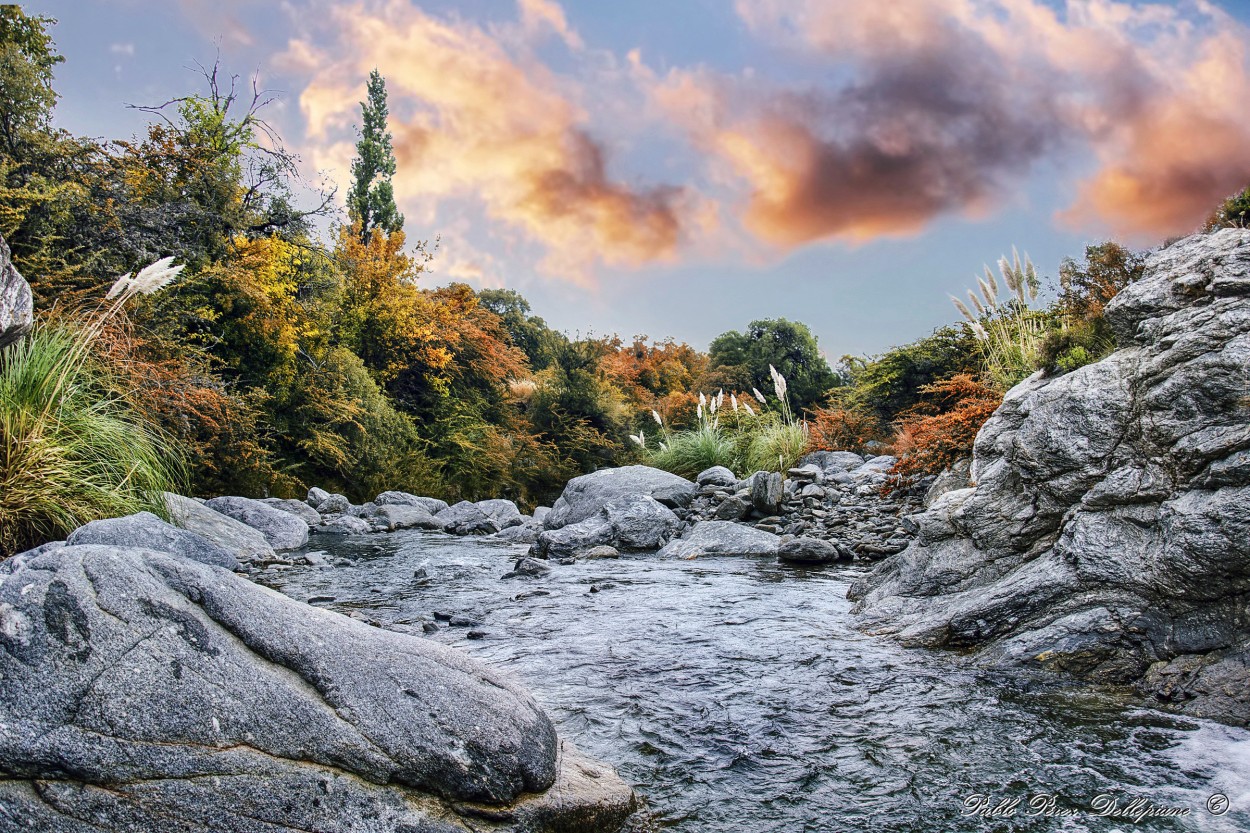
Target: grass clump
[(72, 448)]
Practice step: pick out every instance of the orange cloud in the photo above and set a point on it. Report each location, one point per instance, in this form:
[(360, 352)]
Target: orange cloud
[(472, 121), (941, 107)]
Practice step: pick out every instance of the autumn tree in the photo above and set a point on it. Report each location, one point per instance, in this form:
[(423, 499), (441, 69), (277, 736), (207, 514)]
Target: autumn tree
[(371, 201)]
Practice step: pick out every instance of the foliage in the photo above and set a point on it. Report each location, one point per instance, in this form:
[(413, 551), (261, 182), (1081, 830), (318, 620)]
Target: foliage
[(1086, 288), (839, 428), (1233, 212), (741, 361), (776, 445), (686, 453), (371, 201), (1008, 330), (529, 333), (75, 449), (943, 428), (887, 385)]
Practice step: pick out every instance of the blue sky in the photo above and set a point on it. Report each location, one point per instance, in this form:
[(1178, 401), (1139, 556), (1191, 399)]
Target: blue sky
[(684, 168)]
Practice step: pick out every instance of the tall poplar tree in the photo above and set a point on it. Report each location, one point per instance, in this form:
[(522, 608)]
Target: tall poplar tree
[(372, 198)]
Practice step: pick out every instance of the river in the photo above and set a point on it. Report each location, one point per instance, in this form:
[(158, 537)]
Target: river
[(737, 696)]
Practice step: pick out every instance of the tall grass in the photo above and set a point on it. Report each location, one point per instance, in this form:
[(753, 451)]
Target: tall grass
[(1008, 330), (72, 449)]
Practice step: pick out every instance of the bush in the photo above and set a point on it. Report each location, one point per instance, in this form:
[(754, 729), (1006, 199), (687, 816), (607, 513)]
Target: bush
[(1073, 346), (943, 429), (71, 449), (1234, 212), (836, 428), (776, 446)]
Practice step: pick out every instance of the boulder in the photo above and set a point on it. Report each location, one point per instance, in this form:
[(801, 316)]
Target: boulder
[(149, 693), (766, 491), (641, 524), (503, 512), (526, 533), (584, 496), (342, 525), (282, 530), (717, 476), (568, 540), (17, 306), (732, 509), (804, 550), (143, 529), (528, 567), (316, 496), (335, 504), (465, 518), (958, 476), (721, 538), (597, 553), (1108, 533), (393, 516), (831, 461), (540, 513), (430, 504), (298, 508), (245, 543)]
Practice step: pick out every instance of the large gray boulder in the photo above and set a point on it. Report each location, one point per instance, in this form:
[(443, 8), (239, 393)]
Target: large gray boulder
[(1108, 533), (465, 518), (394, 516), (722, 538), (245, 543), (640, 524), (282, 530), (503, 512), (17, 306), (807, 550), (143, 529), (430, 504), (148, 693), (766, 491), (585, 496), (717, 476)]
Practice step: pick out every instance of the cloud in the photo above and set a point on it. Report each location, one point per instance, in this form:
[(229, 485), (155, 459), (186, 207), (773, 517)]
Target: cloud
[(939, 108), (540, 16), (123, 49), (473, 122)]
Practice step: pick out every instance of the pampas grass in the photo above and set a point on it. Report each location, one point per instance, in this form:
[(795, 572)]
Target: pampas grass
[(1009, 333)]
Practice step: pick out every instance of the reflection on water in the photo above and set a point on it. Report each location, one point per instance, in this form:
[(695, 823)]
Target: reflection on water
[(737, 696)]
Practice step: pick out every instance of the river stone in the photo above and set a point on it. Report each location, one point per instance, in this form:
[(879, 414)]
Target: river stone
[(586, 495), (804, 550), (402, 516), (642, 524), (503, 512), (298, 508), (430, 504), (244, 542), (342, 525), (597, 553), (143, 529), (530, 567), (334, 504), (465, 518), (17, 307), (732, 509), (316, 496), (717, 476), (1108, 533), (721, 538), (831, 461), (282, 530), (149, 693), (766, 491), (567, 541), (526, 533), (540, 513)]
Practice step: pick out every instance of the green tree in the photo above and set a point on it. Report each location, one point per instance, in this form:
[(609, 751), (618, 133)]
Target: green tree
[(26, 62), (740, 361), (530, 333), (371, 201)]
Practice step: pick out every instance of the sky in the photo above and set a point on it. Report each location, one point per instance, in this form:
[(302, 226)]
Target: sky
[(683, 168)]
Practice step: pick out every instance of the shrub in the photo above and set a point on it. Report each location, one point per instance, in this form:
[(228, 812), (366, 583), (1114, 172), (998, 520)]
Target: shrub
[(943, 429), (71, 449), (835, 428), (1234, 212), (1075, 345), (686, 453), (776, 446)]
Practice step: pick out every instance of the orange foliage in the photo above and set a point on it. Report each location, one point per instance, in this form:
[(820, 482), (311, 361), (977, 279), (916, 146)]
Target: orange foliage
[(650, 374), (942, 429), (836, 428)]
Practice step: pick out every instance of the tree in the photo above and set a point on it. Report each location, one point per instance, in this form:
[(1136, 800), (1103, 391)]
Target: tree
[(740, 361), (26, 62), (1085, 289), (371, 201)]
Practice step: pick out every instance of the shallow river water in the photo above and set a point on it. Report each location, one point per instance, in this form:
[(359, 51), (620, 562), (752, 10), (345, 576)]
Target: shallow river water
[(736, 695)]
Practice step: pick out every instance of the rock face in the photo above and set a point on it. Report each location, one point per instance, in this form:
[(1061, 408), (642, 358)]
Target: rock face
[(145, 530), (584, 496), (17, 306), (721, 538), (282, 530), (245, 543), (146, 692), (1108, 533)]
